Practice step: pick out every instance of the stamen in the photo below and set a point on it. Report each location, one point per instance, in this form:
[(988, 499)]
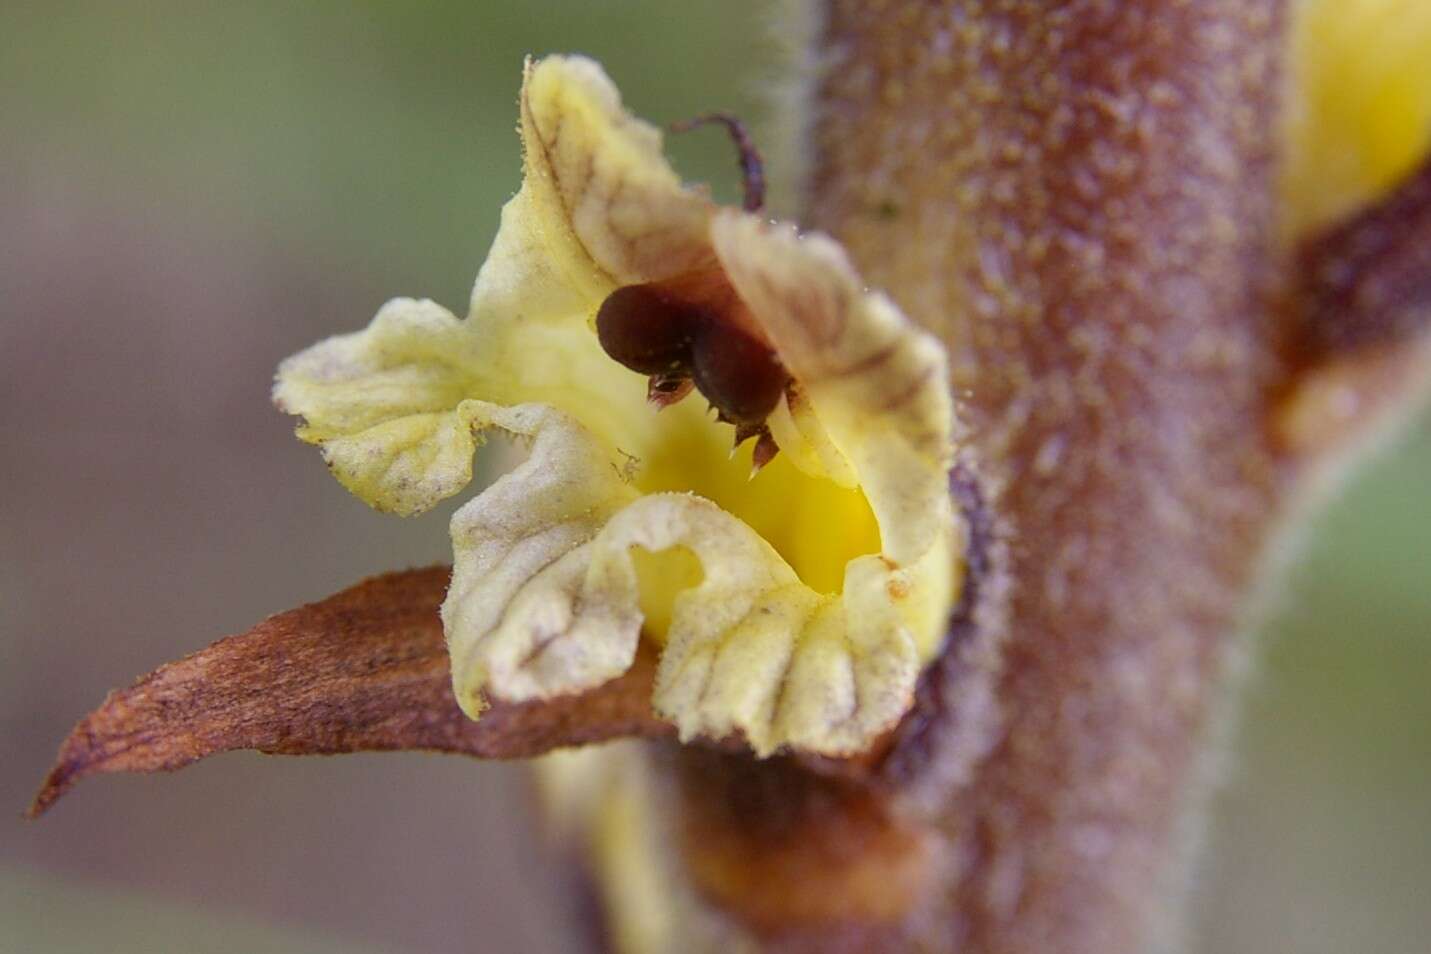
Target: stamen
[(752, 169), (686, 333), (645, 329), (765, 451), (739, 375), (744, 432)]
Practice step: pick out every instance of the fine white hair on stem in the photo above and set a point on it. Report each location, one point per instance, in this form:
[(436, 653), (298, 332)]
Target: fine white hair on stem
[(785, 89)]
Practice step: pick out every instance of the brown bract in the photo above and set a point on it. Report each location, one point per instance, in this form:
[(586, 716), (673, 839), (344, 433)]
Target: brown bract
[(1360, 312), (364, 670), (1367, 282), (789, 849)]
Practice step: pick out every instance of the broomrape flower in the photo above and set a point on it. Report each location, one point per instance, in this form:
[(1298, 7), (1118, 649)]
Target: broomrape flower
[(626, 331)]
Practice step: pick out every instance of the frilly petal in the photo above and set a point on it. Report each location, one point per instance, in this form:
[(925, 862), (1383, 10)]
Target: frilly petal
[(518, 548), (544, 604), (386, 405), (1359, 121), (600, 206), (873, 400)]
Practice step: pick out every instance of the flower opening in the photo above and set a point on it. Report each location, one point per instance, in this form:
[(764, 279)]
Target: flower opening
[(629, 332)]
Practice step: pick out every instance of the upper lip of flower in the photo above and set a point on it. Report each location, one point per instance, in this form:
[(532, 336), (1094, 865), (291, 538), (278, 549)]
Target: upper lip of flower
[(604, 264)]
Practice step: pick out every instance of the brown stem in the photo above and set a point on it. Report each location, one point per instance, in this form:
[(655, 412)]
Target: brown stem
[(1075, 195)]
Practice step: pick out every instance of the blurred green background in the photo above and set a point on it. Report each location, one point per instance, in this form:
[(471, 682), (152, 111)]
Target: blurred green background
[(190, 192)]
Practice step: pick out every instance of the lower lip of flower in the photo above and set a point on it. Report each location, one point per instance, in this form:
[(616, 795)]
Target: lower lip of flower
[(816, 525)]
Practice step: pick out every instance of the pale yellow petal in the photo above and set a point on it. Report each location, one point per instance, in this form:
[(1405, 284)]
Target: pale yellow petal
[(534, 272), (751, 649), (871, 385), (520, 548), (606, 796), (385, 405), (599, 193), (599, 207), (545, 604), (1360, 106)]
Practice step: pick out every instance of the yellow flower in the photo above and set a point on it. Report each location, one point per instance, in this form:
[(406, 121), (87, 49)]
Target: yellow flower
[(794, 607), (1360, 116)]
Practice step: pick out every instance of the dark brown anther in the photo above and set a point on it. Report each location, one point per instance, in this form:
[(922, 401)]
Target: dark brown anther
[(668, 387), (752, 169), (689, 332), (643, 328), (736, 373), (744, 432), (765, 451)]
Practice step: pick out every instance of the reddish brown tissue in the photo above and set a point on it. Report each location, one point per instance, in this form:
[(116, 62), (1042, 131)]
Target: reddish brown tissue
[(685, 331)]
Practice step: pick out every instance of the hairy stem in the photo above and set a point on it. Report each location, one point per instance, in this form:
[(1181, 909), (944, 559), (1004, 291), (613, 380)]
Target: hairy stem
[(1081, 206), (1076, 196)]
